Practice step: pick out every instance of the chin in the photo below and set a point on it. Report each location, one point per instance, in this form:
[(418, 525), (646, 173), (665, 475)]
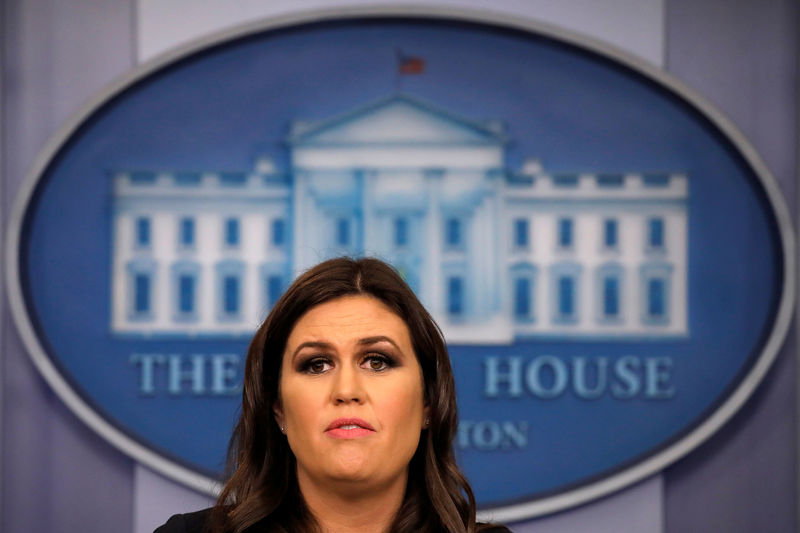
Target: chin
[(350, 468), (350, 477)]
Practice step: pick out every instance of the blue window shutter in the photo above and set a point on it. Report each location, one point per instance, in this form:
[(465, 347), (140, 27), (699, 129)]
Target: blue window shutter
[(656, 233), (343, 232), (142, 293), (610, 233), (522, 297), (278, 232), (455, 295), (565, 232), (187, 231), (566, 296), (400, 232), (231, 294), (453, 232), (274, 289), (186, 287), (521, 233), (232, 232), (610, 297), (655, 298), (143, 231)]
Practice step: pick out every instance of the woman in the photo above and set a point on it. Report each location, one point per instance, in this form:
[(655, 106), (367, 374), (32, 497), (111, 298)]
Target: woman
[(348, 416)]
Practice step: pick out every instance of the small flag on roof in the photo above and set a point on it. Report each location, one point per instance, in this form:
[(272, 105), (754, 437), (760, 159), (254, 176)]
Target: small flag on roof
[(409, 64)]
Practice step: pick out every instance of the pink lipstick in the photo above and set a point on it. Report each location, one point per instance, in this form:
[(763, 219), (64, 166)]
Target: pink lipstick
[(349, 428)]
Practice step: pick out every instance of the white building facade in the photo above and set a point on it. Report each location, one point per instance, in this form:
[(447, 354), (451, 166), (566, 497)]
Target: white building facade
[(495, 255)]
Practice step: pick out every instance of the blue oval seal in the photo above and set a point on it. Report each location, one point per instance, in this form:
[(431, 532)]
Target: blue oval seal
[(610, 261)]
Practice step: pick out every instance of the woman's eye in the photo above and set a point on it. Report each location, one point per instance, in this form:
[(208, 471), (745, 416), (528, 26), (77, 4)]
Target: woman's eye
[(316, 366), (377, 363)]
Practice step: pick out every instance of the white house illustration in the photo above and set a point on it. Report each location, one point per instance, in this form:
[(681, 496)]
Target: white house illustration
[(495, 255)]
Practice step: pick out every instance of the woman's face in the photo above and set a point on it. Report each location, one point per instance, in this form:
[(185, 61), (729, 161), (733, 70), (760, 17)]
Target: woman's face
[(351, 394)]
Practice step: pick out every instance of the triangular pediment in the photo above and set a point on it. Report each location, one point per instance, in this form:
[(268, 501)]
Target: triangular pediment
[(397, 120)]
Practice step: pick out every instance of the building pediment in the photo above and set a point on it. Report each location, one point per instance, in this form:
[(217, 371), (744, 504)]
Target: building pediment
[(397, 120)]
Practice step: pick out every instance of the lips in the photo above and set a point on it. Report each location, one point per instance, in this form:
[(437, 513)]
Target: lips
[(349, 428)]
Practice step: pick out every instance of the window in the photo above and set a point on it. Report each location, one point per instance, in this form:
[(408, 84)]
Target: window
[(656, 307), (141, 302), (656, 180), (230, 290), (230, 294), (141, 288), (232, 232), (610, 297), (400, 231), (343, 232), (608, 292), (186, 291), (655, 233), (610, 180), (564, 292), (278, 232), (565, 232), (655, 295), (185, 285), (523, 276), (566, 296), (142, 232), (186, 232), (274, 289), (522, 298), (521, 233), (452, 232), (565, 180), (272, 276), (455, 295), (610, 233)]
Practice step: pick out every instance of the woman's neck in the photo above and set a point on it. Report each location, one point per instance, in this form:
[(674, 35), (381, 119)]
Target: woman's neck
[(352, 507)]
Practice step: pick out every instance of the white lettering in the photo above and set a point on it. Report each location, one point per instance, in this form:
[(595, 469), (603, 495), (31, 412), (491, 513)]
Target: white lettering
[(223, 374), (196, 374), (579, 368), (548, 377), (658, 375), (512, 375), (147, 364), (487, 435), (557, 376), (628, 384)]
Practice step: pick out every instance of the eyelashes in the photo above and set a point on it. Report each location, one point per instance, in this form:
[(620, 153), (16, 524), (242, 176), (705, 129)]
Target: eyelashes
[(373, 361), (379, 362), (314, 365)]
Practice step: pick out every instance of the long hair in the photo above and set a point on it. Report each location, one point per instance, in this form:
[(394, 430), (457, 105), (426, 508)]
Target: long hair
[(263, 488)]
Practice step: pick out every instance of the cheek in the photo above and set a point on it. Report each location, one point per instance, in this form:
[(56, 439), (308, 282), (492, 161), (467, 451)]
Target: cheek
[(401, 402), (300, 406)]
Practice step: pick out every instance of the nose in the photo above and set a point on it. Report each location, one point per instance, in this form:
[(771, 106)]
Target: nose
[(347, 387)]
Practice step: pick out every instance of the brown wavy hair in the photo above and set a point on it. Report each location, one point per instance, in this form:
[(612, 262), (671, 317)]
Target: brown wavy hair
[(263, 488)]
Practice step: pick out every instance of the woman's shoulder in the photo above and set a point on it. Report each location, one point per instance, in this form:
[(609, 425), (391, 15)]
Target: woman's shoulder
[(186, 523), (195, 523)]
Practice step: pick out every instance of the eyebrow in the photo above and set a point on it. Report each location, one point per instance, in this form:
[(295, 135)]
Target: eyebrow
[(375, 340), (310, 344), (366, 341)]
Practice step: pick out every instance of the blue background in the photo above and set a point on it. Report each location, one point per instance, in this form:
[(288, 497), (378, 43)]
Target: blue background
[(576, 112)]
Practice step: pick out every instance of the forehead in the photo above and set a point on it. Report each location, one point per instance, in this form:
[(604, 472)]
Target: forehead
[(350, 316)]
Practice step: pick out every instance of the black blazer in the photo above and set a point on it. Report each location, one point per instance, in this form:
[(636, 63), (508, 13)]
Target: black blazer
[(194, 522)]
